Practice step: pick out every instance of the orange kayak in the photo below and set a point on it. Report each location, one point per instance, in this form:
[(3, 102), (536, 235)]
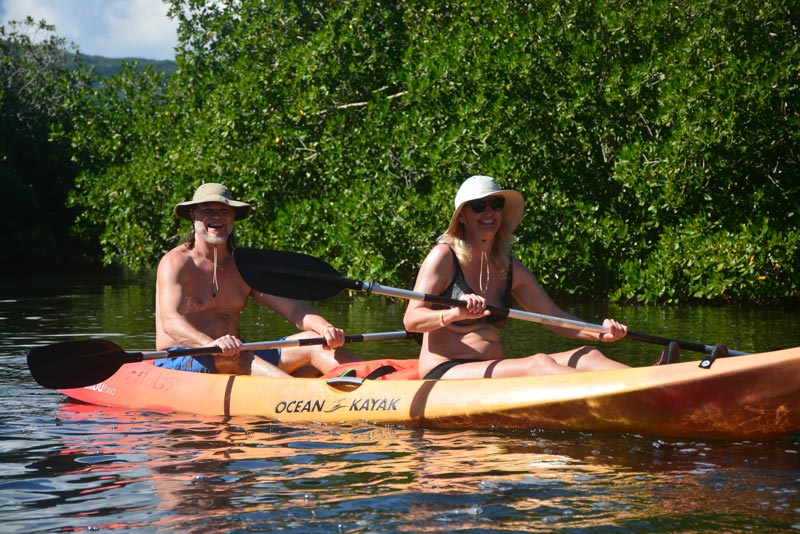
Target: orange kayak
[(745, 397)]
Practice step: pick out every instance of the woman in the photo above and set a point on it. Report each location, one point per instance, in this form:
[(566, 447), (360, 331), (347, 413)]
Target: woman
[(472, 262)]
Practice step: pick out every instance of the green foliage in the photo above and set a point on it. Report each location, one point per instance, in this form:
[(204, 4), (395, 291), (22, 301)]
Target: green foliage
[(703, 260), (655, 142)]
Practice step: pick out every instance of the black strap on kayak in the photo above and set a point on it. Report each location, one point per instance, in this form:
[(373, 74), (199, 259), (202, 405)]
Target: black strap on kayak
[(719, 351), (383, 370)]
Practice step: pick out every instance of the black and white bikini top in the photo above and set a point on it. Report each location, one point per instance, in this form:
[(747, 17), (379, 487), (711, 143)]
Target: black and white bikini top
[(459, 287)]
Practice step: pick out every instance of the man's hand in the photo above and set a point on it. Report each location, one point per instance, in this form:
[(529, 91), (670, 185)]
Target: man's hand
[(334, 337), (230, 345)]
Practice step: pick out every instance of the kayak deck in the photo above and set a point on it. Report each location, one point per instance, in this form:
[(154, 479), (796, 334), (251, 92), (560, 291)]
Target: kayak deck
[(746, 397)]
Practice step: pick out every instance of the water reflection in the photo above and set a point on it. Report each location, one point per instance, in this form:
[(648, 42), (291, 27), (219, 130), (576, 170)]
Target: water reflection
[(117, 470), (67, 466)]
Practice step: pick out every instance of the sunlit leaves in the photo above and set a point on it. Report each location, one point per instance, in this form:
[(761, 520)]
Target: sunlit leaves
[(656, 142)]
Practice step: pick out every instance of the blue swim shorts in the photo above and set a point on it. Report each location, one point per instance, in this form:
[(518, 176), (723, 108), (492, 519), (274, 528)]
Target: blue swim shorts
[(204, 363)]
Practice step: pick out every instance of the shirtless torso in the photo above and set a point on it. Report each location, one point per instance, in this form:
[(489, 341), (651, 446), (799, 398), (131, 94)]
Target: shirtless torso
[(188, 313), (200, 295)]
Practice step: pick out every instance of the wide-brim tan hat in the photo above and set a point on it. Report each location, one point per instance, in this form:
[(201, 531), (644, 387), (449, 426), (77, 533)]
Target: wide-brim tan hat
[(212, 192), (477, 187)]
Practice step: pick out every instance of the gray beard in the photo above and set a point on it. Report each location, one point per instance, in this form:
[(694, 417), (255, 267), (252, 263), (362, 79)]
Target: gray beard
[(211, 240)]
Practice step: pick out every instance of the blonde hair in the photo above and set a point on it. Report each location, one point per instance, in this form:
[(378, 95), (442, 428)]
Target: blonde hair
[(500, 254)]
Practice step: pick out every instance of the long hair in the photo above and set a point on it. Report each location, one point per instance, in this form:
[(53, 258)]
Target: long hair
[(500, 254)]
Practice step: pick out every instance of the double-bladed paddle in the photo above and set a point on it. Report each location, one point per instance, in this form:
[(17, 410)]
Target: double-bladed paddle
[(77, 364), (300, 276)]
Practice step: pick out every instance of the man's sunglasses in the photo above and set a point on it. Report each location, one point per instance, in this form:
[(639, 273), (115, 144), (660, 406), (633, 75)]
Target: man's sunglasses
[(479, 205)]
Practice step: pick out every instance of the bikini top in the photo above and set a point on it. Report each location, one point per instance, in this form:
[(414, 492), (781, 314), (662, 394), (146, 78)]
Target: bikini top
[(459, 287)]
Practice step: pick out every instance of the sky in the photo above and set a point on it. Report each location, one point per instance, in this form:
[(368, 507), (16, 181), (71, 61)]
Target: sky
[(110, 28)]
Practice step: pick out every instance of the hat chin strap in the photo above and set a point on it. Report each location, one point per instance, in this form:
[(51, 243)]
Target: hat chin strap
[(214, 282)]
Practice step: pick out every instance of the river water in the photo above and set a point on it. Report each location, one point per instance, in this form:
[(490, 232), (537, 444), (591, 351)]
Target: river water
[(67, 467)]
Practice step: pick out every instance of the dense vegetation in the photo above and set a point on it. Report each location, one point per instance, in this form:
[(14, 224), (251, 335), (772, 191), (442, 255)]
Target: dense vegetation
[(655, 142), (37, 90)]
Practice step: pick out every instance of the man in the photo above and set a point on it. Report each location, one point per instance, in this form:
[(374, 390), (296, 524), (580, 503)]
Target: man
[(200, 294)]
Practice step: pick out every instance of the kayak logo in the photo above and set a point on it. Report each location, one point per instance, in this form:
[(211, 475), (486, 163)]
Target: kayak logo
[(152, 380), (368, 404), (299, 406), (102, 387), (374, 405)]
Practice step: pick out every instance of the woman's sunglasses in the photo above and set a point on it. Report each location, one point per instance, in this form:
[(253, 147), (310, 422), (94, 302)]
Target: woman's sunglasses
[(479, 205)]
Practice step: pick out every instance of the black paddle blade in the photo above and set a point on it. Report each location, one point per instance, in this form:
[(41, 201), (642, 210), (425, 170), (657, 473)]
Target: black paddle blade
[(288, 274), (77, 364)]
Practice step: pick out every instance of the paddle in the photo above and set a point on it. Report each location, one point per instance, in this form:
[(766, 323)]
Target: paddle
[(77, 364), (304, 277)]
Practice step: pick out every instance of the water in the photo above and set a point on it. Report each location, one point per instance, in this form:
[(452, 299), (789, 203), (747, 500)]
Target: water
[(67, 467)]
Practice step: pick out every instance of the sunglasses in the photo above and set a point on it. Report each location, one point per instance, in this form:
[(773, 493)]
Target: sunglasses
[(222, 211), (496, 203)]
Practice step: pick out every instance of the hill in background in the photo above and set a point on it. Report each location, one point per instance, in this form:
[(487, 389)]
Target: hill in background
[(105, 66)]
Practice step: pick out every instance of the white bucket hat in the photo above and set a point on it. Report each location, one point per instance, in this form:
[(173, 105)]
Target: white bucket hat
[(476, 187), (212, 192)]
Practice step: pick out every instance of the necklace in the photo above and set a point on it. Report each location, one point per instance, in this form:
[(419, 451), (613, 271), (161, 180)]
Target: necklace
[(484, 261)]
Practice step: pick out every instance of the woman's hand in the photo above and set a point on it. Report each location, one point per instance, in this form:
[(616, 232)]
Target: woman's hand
[(475, 308), (614, 331)]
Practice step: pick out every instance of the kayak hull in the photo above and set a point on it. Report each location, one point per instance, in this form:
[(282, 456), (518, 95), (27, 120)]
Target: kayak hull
[(747, 397)]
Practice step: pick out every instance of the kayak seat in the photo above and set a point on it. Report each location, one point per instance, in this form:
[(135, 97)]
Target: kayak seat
[(377, 370)]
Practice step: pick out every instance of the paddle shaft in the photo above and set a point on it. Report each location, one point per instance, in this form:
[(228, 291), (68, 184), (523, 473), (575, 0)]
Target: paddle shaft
[(278, 344), (75, 364), (371, 287)]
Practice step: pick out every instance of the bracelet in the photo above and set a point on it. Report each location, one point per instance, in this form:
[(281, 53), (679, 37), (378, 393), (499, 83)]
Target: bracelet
[(441, 319)]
